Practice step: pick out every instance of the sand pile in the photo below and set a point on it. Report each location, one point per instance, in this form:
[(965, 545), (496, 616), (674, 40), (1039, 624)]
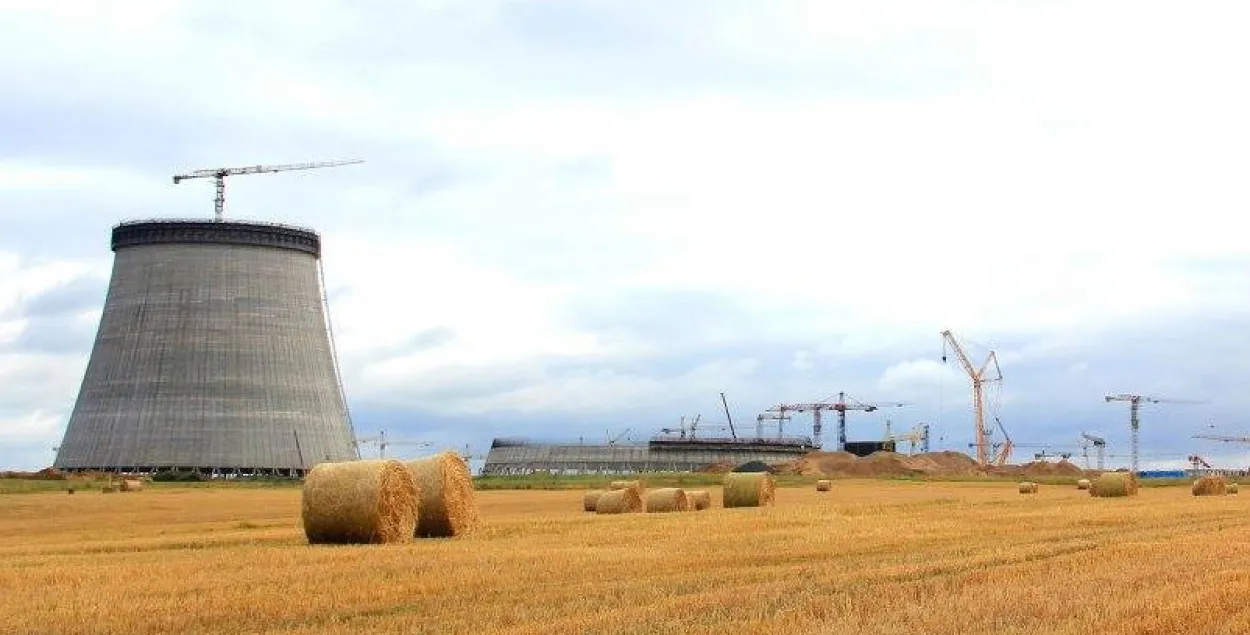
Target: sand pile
[(947, 463)]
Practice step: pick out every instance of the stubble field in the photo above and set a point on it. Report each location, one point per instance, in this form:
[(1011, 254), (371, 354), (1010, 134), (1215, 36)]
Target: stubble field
[(869, 557)]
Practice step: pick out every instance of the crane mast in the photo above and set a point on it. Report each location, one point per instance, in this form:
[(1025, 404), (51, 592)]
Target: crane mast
[(220, 174), (979, 379), (1134, 422)]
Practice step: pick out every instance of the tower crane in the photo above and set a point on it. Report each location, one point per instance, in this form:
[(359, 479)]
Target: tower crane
[(779, 417), (1134, 404), (382, 441), (840, 407), (918, 434), (220, 175), (980, 378), (1100, 447)]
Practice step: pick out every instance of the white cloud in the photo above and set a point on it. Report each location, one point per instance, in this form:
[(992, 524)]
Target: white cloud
[(36, 425), (919, 375)]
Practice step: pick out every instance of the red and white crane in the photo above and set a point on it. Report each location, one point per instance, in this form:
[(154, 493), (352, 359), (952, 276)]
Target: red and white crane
[(987, 373)]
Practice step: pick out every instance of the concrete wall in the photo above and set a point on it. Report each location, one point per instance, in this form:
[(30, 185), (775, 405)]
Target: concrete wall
[(211, 357), (617, 459)]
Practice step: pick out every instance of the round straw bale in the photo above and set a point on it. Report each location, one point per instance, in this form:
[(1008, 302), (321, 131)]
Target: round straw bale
[(699, 499), (1028, 487), (635, 485), (448, 507), (107, 489), (1210, 486), (1082, 484), (667, 499), (824, 485), (132, 485), (372, 502), (619, 501), (748, 489), (590, 498), (1232, 487), (1113, 484)]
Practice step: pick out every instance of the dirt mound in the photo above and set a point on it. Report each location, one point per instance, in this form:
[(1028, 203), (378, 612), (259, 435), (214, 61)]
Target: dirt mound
[(721, 467), (946, 463), (1044, 468)]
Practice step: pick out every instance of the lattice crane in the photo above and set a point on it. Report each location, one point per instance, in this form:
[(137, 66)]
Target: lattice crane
[(979, 378), (779, 417), (1134, 404), (382, 441), (840, 407), (220, 175), (1100, 447)]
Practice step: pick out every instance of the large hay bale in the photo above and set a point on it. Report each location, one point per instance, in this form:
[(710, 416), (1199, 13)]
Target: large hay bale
[(590, 498), (748, 489), (824, 485), (699, 499), (667, 499), (619, 501), (1082, 484), (1232, 487), (634, 485), (371, 502), (132, 485), (448, 507), (1028, 487), (1210, 486), (1113, 484)]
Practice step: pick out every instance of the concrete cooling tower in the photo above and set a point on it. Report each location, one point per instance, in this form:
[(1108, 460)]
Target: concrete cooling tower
[(213, 354)]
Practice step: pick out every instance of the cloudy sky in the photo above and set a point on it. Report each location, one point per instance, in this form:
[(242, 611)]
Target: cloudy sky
[(582, 217)]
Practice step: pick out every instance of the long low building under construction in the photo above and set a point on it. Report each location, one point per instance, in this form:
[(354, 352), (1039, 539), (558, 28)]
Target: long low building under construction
[(660, 454)]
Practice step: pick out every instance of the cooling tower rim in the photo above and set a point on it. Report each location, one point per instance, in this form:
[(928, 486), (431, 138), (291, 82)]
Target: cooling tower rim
[(166, 231)]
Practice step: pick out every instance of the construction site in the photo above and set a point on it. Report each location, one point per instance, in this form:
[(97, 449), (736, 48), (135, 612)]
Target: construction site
[(215, 355), (697, 446)]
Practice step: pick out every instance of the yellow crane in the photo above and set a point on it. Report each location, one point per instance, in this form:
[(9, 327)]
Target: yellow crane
[(980, 376), (220, 174)]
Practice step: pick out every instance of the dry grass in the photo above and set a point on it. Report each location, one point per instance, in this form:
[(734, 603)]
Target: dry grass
[(872, 557)]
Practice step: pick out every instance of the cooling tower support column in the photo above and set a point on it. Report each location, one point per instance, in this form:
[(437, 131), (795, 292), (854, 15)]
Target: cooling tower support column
[(213, 354)]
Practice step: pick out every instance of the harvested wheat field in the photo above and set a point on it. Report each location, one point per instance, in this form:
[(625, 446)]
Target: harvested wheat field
[(869, 557)]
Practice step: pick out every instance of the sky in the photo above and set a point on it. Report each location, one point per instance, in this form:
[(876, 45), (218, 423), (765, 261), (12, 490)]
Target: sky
[(587, 219)]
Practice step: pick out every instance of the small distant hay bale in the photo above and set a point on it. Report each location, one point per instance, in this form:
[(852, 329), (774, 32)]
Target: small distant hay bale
[(619, 501), (108, 489), (749, 489), (1028, 487), (360, 502), (667, 499), (1210, 486), (448, 506), (824, 485), (1113, 485), (1232, 487), (1082, 484), (590, 498), (634, 485), (132, 485), (69, 490), (699, 499)]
